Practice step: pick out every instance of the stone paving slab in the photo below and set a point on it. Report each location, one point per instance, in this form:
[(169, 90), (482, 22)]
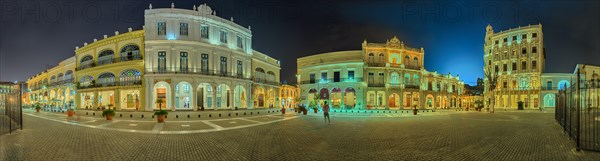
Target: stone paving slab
[(147, 126), (232, 123), (181, 126), (264, 118)]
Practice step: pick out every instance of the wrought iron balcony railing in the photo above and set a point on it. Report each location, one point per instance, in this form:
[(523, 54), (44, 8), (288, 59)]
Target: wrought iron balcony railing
[(108, 61)]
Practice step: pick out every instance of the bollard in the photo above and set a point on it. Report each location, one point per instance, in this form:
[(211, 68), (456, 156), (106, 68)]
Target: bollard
[(244, 113), (188, 116), (229, 115), (86, 113), (130, 115), (152, 116), (209, 115), (177, 116), (94, 114), (250, 113), (198, 116), (257, 113), (236, 113), (165, 116), (142, 116), (219, 115), (120, 115)]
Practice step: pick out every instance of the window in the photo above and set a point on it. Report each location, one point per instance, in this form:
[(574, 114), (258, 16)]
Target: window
[(534, 49), (204, 63), (351, 74), (533, 35), (504, 68), (523, 65), (534, 64), (489, 62), (223, 36), (204, 31), (381, 78), (312, 78), (524, 51), (240, 69), (240, 42), (505, 40), (162, 61), (162, 28), (514, 52), (514, 38), (323, 76), (524, 36), (223, 66), (336, 76), (496, 68), (497, 42), (504, 85), (183, 62), (371, 58), (514, 66), (549, 85), (371, 75), (183, 29), (395, 78)]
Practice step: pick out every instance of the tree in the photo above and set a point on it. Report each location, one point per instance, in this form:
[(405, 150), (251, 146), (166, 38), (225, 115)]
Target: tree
[(160, 101), (492, 78)]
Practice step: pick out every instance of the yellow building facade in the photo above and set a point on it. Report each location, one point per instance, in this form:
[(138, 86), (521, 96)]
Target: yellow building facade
[(517, 58), (53, 88), (288, 95), (109, 72), (380, 76)]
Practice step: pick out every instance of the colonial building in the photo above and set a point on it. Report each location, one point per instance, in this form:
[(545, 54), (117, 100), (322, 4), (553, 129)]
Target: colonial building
[(551, 84), (53, 88), (380, 76), (189, 59), (288, 95), (516, 57)]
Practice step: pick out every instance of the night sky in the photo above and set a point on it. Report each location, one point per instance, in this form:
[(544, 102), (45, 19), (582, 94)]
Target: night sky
[(38, 34)]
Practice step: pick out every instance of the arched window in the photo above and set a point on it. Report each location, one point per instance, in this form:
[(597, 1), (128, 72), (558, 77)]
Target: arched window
[(416, 62), (406, 60), (86, 60), (371, 58), (60, 77), (106, 57), (395, 79), (69, 75), (86, 81), (53, 79), (130, 52), (562, 84), (270, 76), (549, 100), (381, 58), (183, 62), (106, 79), (130, 77), (416, 79)]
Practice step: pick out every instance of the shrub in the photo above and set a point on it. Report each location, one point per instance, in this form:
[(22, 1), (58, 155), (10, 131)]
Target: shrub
[(108, 112), (161, 112)]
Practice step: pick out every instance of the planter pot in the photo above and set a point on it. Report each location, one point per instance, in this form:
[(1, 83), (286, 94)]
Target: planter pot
[(295, 110), (415, 112), (304, 112), (37, 110), (160, 118), (283, 111), (70, 113), (315, 110), (109, 117)]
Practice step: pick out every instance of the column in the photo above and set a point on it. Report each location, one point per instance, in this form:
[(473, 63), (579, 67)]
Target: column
[(387, 102), (95, 100), (194, 101), (172, 99), (117, 98), (214, 97)]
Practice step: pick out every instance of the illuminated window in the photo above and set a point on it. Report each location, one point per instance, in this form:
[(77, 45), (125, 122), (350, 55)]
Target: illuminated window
[(162, 61), (183, 61), (162, 28), (223, 66), (240, 69), (223, 36), (395, 78), (204, 63), (183, 29), (204, 31), (240, 42), (351, 74)]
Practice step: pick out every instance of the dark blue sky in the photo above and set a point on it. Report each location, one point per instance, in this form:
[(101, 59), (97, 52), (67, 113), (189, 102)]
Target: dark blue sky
[(36, 33)]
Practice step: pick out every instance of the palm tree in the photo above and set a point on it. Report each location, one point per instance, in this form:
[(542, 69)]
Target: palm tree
[(492, 78), (160, 101)]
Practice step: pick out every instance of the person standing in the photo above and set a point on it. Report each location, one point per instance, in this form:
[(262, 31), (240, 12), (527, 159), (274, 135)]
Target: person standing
[(326, 113)]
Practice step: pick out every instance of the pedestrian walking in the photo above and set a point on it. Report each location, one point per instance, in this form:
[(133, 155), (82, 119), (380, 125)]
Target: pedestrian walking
[(326, 113)]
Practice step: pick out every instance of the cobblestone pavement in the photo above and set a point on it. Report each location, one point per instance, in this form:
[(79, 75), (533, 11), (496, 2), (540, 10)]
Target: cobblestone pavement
[(444, 135)]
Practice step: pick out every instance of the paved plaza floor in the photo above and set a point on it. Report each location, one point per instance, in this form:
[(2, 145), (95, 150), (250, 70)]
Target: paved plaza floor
[(353, 135)]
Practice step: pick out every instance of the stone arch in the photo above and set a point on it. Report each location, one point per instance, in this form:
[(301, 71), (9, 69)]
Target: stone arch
[(162, 91), (549, 100), (394, 100)]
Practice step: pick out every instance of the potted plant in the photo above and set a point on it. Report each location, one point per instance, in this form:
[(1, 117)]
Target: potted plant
[(283, 110), (70, 112), (108, 113), (37, 107), (160, 114), (415, 110), (315, 109), (304, 110)]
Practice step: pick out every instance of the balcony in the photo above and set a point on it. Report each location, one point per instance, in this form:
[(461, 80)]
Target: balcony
[(332, 80), (62, 82), (111, 84), (413, 67), (264, 81), (411, 86), (108, 61), (376, 64), (195, 71), (376, 84)]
